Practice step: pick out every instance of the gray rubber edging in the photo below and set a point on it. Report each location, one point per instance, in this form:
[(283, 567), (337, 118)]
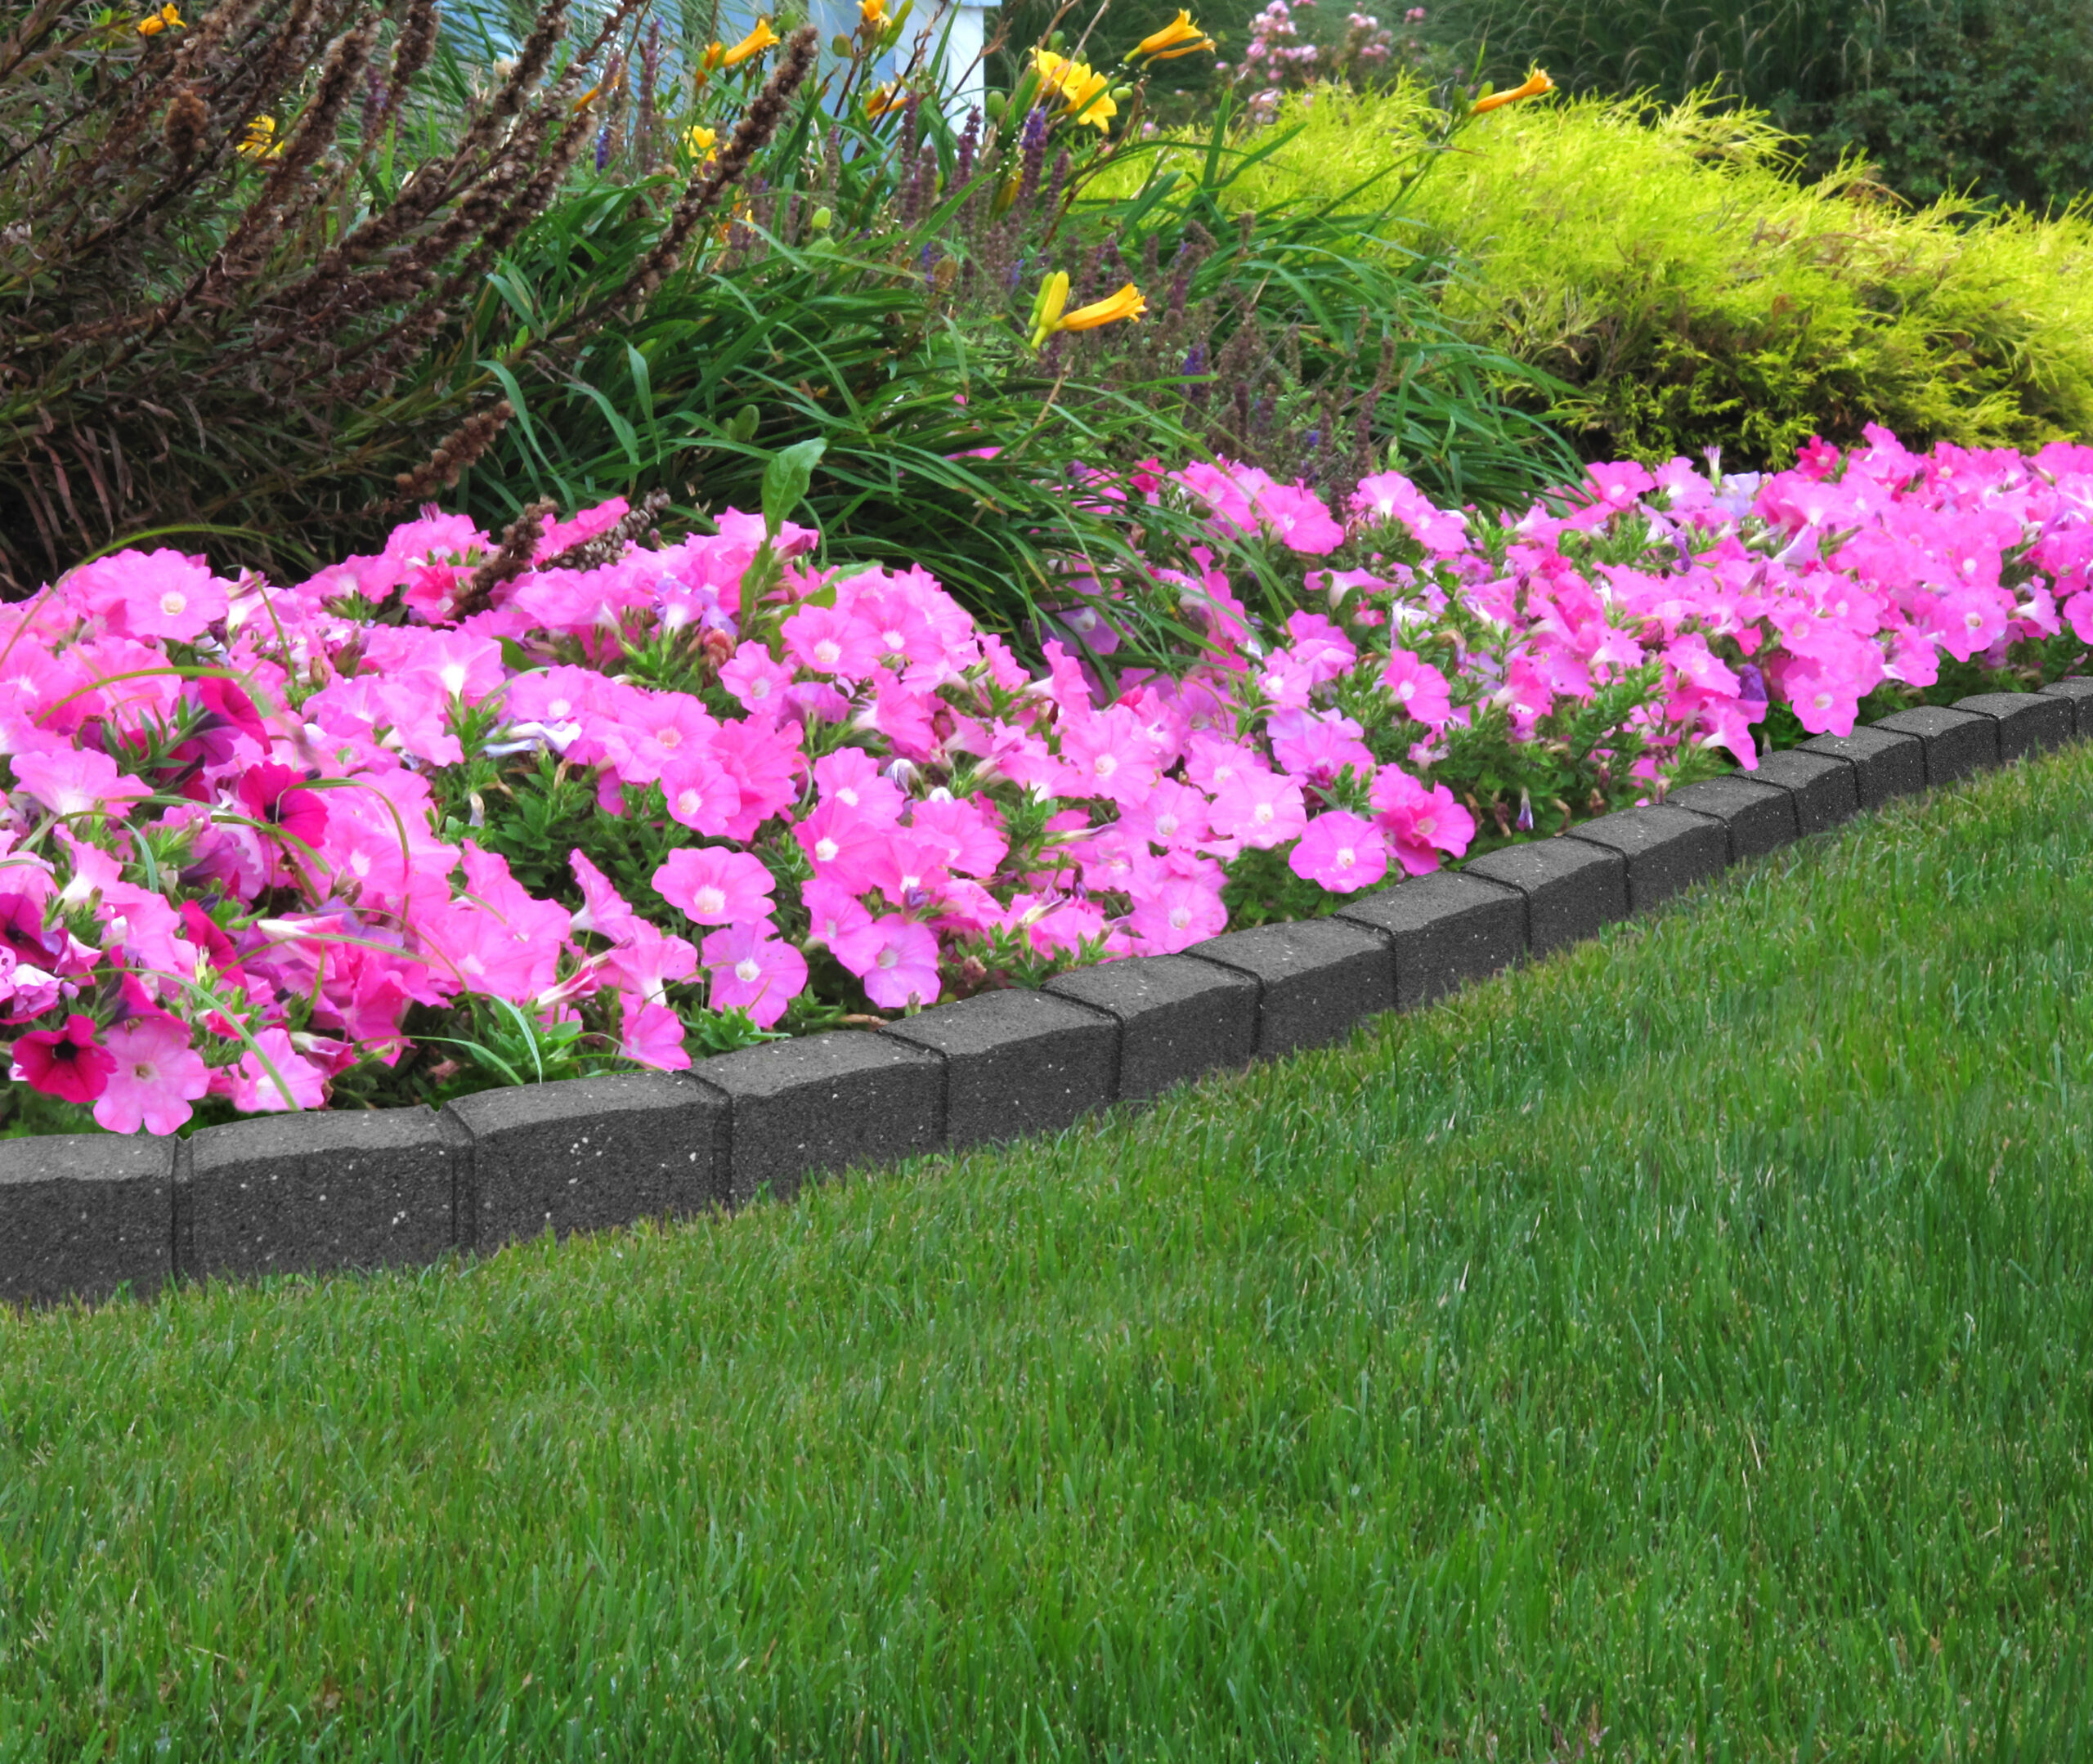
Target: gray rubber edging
[(83, 1215)]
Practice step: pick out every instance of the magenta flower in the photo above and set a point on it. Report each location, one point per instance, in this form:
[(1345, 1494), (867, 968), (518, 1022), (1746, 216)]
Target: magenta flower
[(851, 776), (254, 1091), (710, 886), (1341, 852), (754, 971), (64, 1063), (226, 701), (1175, 913), (78, 781), (1420, 689), (654, 1036), (1259, 809), (896, 958), (272, 794), (829, 641), (836, 912), (154, 1076)]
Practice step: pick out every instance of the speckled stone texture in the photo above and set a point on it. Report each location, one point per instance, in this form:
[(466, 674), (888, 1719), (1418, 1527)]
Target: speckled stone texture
[(1016, 1061), (2028, 722), (1316, 979), (1825, 791), (2079, 694), (82, 1214), (1177, 1018), (1885, 765), (1444, 929), (823, 1104), (1573, 889), (1958, 743), (1758, 817), (301, 1193), (1665, 850), (586, 1153)]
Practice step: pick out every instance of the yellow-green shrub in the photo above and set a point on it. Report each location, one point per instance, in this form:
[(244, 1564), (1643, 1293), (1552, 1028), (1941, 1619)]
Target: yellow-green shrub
[(1689, 293)]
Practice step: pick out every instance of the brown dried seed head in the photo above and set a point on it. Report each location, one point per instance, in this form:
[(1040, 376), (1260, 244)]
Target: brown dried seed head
[(187, 117)]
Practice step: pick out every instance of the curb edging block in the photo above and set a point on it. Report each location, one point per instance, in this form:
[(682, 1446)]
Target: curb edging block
[(85, 1213), (1316, 978), (2028, 722), (1825, 791), (1177, 1018), (582, 1154), (1957, 742), (1574, 889), (1016, 1061), (2078, 694), (1885, 765), (1760, 817), (821, 1104), (306, 1192), (1666, 849), (1443, 929)]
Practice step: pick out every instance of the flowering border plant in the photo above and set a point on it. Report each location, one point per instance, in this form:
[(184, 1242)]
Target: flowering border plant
[(464, 812)]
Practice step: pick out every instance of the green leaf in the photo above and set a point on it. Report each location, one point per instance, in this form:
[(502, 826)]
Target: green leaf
[(785, 481)]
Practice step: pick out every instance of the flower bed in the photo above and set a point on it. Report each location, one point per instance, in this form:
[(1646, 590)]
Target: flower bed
[(466, 813)]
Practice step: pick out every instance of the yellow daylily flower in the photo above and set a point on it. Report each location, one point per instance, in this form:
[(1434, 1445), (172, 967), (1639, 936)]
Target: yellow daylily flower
[(260, 142), (1537, 85), (701, 139), (872, 15), (755, 43), (1049, 316), (1082, 91), (166, 19), (1180, 36)]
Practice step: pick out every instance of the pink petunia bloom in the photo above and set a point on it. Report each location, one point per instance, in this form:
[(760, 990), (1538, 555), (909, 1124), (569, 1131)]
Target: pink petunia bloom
[(968, 830), (226, 701), (1418, 688), (834, 912), (758, 681), (896, 959), (701, 795), (155, 1076), (1259, 809), (654, 1036), (1298, 518), (1317, 745), (1175, 913), (1110, 756), (150, 594), (851, 776), (710, 886), (827, 641), (77, 782), (271, 793), (68, 1063), (1341, 852), (844, 844), (1420, 823), (255, 1091), (755, 971)]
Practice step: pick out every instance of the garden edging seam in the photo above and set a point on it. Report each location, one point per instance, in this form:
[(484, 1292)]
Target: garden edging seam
[(85, 1214)]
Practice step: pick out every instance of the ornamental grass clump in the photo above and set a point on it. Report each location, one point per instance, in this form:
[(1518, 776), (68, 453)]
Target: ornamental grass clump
[(472, 811), (235, 244)]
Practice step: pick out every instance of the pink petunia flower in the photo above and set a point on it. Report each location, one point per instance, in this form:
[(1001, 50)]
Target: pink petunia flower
[(753, 970), (710, 886), (155, 1075), (1420, 689), (254, 1091), (67, 1062), (1175, 913), (77, 782), (896, 959), (1341, 852), (1259, 809)]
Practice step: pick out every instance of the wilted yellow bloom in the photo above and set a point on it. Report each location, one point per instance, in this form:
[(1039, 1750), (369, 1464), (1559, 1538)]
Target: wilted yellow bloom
[(260, 142), (166, 19), (1082, 91), (1537, 84), (755, 43), (1048, 315), (882, 99), (586, 99), (1180, 36)]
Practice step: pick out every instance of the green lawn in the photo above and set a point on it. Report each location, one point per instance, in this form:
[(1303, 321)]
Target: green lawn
[(1688, 1342)]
